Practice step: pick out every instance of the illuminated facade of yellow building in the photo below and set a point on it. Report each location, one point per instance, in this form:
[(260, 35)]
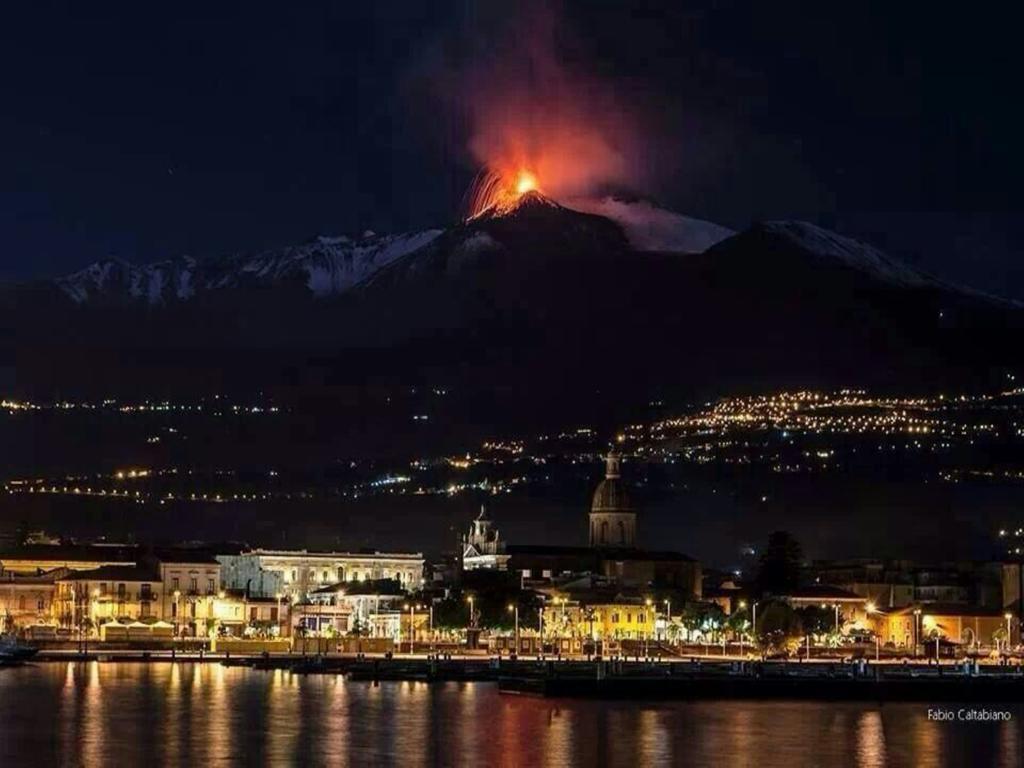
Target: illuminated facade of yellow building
[(620, 620)]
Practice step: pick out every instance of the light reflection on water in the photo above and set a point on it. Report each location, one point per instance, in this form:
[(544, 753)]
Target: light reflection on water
[(167, 715)]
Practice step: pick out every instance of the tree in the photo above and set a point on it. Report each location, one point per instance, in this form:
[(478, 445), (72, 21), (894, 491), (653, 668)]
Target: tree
[(778, 626), (779, 572), (357, 628), (706, 618), (816, 620)]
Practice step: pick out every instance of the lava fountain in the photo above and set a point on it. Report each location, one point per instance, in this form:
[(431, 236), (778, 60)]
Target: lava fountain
[(497, 192)]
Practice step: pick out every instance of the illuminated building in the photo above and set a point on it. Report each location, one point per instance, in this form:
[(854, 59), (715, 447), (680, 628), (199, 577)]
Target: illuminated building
[(298, 573), (483, 547), (612, 515)]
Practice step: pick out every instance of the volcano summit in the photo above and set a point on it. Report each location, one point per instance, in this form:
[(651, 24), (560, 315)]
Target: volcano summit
[(533, 297)]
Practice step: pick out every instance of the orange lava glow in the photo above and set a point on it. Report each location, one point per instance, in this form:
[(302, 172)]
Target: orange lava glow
[(496, 191)]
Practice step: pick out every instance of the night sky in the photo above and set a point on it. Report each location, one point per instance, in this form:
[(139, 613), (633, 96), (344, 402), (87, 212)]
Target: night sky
[(146, 131)]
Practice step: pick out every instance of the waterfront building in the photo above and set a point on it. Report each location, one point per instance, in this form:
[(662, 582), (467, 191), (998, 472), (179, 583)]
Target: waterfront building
[(190, 584), (482, 546), (964, 625), (26, 600), (893, 584), (366, 608), (296, 574), (87, 599), (599, 615)]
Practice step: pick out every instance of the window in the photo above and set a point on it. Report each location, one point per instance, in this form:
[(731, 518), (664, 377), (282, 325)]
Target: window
[(629, 618), (40, 604), (211, 586), (254, 613), (174, 610), (604, 532), (147, 591), (640, 618), (622, 532), (175, 584), (103, 587), (120, 591), (615, 618), (295, 575), (273, 613), (323, 577), (193, 584), (21, 602)]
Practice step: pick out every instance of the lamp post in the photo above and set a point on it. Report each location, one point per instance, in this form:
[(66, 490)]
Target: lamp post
[(278, 598), (1009, 629), (176, 594), (515, 609), (870, 608), (647, 635), (917, 629), (836, 606), (540, 628), (742, 607), (412, 628), (668, 616), (431, 628)]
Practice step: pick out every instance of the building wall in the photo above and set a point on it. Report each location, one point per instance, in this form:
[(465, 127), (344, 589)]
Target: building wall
[(612, 621), (197, 586), (105, 599), (25, 601), (297, 574)]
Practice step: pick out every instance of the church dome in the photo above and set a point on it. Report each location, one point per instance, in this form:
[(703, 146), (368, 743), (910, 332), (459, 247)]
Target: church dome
[(611, 495)]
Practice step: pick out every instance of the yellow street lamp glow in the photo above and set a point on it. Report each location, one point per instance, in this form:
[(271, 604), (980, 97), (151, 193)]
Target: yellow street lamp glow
[(870, 607)]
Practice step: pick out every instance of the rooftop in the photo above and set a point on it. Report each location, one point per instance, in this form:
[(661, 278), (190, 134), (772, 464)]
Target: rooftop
[(113, 573)]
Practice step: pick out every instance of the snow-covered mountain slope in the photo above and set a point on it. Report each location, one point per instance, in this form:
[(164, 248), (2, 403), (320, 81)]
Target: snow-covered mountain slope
[(855, 254), (326, 266), (650, 228)]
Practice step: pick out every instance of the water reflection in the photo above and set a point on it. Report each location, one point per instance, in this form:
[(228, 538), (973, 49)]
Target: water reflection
[(177, 714)]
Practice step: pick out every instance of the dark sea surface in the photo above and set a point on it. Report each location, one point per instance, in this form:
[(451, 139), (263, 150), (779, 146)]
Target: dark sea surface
[(96, 714)]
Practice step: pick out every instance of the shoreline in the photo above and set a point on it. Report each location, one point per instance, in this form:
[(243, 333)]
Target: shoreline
[(675, 680)]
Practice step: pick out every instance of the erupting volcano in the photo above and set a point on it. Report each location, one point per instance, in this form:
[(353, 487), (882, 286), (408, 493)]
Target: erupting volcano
[(498, 193)]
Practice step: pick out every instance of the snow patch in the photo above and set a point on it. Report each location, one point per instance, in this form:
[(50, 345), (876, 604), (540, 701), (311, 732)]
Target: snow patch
[(649, 228)]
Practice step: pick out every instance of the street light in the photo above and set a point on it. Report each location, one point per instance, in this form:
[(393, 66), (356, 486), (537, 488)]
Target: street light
[(647, 635), (412, 628), (177, 594), (742, 606), (1009, 628), (870, 608), (515, 610), (278, 598), (668, 616), (916, 630)]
